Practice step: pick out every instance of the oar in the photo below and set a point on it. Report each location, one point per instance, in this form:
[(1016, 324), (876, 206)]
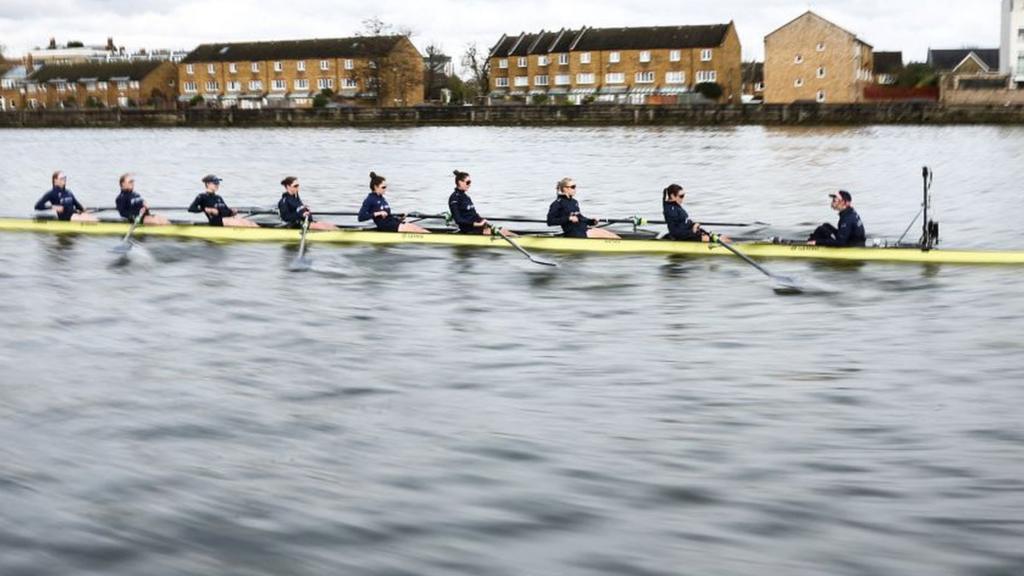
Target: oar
[(783, 284), (523, 251), (301, 263), (126, 243)]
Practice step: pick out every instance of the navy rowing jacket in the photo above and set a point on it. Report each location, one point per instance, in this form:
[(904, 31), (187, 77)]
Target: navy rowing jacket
[(558, 215), (680, 227), (209, 200), (129, 204), (291, 208), (378, 203), (60, 197), (463, 212), (850, 232)]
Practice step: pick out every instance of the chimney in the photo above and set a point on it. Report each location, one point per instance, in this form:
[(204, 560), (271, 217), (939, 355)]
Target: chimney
[(28, 63), (110, 43), (53, 43)]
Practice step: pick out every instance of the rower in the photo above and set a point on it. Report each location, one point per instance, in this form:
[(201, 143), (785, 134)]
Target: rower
[(850, 231), (62, 201), (680, 227), (375, 207), (130, 204), (565, 212), (293, 210), (461, 207), (216, 210)]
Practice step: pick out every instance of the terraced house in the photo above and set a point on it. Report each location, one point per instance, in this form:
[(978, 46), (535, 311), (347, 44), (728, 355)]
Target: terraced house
[(90, 85), (648, 65), (376, 71)]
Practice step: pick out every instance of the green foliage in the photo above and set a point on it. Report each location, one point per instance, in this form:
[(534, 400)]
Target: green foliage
[(75, 44), (321, 100), (195, 101), (539, 99), (709, 90), (327, 93), (589, 99), (917, 75), (94, 102)]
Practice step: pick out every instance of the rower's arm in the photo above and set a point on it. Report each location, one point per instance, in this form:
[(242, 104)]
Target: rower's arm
[(557, 216), (195, 207), (365, 212), (42, 204)]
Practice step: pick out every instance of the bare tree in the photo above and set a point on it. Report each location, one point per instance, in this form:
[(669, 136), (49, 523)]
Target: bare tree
[(390, 66), (436, 76), (475, 62), (3, 50)]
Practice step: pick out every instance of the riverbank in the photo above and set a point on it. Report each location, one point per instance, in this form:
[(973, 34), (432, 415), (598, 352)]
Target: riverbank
[(592, 115)]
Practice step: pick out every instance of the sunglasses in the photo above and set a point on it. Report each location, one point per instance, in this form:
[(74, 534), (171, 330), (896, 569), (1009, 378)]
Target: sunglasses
[(295, 186), (468, 182), (384, 187), (573, 187)]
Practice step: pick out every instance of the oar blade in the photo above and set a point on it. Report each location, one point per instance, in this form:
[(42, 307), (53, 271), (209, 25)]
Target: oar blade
[(786, 285), (543, 262), (122, 249), (300, 264)]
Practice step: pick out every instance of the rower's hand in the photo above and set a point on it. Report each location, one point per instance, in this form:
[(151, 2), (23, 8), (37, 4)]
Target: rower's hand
[(58, 209), (574, 219), (481, 223), (212, 211), (812, 243), (696, 227), (380, 214), (705, 238)]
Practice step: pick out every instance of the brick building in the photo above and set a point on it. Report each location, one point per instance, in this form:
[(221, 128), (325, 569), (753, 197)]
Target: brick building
[(90, 85), (811, 59), (376, 71), (635, 65)]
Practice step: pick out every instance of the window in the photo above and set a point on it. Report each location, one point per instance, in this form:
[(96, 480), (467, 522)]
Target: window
[(707, 76), (645, 56), (645, 77), (190, 69), (349, 83), (503, 63), (256, 85), (584, 57), (350, 64), (279, 86), (563, 80), (501, 82), (122, 85), (759, 87), (211, 69), (587, 78), (191, 88), (278, 66), (821, 96), (821, 71), (541, 80), (103, 86), (301, 84), (325, 65), (705, 55), (798, 60), (615, 57), (91, 86), (233, 68), (523, 62), (675, 55), (255, 66), (212, 86), (522, 80), (820, 47), (543, 60), (615, 78), (325, 83), (675, 78), (563, 59), (234, 86), (798, 83), (300, 66)]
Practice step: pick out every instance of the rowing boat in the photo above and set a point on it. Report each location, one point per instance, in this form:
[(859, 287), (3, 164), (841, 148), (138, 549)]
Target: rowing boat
[(629, 245)]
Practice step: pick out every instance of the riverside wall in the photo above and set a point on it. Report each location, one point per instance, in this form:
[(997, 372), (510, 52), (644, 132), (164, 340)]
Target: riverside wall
[(588, 115)]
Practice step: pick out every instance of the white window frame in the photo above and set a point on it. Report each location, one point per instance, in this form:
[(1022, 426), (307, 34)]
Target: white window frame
[(820, 47), (190, 69), (325, 65), (585, 78), (350, 64), (503, 63), (234, 86), (798, 83), (798, 59), (233, 68), (645, 56), (675, 77), (706, 55), (278, 66), (543, 60), (821, 72), (255, 85), (584, 57), (563, 59), (501, 82), (644, 77), (255, 67), (523, 61), (301, 84), (704, 76), (540, 80), (123, 85), (300, 66), (614, 57), (349, 83), (563, 80), (325, 83), (820, 97), (211, 69), (190, 88), (675, 55), (522, 81), (615, 78), (278, 85), (212, 86)]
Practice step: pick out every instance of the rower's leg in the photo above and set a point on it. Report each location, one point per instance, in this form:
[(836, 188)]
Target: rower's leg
[(322, 226), (234, 222), (602, 233), (84, 217), (154, 220), (413, 229)]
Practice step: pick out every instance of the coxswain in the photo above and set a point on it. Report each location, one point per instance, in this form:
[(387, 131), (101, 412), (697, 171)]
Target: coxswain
[(375, 207), (130, 204), (850, 231), (565, 212), (294, 211), (216, 210), (62, 201), (680, 227)]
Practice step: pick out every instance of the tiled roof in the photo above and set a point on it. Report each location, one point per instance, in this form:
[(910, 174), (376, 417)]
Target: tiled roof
[(947, 60), (101, 71), (357, 47), (653, 37), (888, 62)]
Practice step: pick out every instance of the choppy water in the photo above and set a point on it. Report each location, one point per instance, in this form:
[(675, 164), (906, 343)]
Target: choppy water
[(416, 410)]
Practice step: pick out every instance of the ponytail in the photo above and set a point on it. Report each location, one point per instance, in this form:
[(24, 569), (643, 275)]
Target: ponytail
[(376, 180), (672, 190)]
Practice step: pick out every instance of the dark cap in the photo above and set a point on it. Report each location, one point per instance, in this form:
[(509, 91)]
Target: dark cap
[(844, 195), (211, 178)]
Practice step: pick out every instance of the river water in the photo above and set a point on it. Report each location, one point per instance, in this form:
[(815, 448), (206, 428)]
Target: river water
[(198, 409)]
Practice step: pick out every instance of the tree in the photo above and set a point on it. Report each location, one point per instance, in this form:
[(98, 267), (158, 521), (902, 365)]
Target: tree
[(479, 70), (709, 90), (75, 44), (3, 50), (917, 75), (390, 66), (434, 76)]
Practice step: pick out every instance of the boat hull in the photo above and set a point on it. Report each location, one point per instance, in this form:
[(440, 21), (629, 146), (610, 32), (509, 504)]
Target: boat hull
[(543, 243)]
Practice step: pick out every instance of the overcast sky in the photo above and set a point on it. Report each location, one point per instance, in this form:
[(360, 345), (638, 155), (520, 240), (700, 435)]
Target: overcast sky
[(908, 25)]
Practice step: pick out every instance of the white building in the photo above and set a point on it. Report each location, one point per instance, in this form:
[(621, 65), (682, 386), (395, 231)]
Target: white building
[(1011, 57)]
